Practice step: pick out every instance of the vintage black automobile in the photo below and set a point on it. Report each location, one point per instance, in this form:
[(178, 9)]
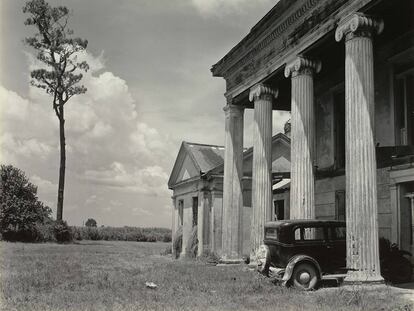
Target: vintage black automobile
[(299, 252), (302, 252)]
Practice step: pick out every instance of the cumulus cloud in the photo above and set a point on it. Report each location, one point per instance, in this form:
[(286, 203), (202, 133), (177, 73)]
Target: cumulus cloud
[(108, 146)]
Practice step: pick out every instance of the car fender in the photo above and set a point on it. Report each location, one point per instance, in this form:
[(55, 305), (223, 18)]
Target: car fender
[(294, 261)]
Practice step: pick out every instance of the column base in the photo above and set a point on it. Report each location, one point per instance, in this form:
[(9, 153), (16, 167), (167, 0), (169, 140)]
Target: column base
[(362, 278)]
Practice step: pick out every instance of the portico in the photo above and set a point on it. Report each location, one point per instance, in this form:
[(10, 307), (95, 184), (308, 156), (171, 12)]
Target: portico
[(276, 67)]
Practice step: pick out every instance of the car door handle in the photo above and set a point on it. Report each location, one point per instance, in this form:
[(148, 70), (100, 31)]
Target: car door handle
[(328, 246)]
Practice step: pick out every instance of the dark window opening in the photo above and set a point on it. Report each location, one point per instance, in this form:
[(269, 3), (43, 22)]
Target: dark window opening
[(404, 106), (180, 212), (340, 210), (195, 211), (339, 129), (279, 209)]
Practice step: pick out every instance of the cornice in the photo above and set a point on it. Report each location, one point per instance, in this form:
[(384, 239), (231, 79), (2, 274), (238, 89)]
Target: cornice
[(226, 64), (315, 24)]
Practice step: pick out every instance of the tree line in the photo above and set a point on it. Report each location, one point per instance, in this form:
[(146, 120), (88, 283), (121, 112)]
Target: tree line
[(23, 217)]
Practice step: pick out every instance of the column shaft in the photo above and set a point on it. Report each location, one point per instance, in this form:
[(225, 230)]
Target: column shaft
[(232, 187), (174, 225), (203, 226), (302, 194), (187, 229), (361, 176), (262, 165)]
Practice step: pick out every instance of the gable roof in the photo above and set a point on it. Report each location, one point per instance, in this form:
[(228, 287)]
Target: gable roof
[(204, 157), (209, 159), (281, 137)]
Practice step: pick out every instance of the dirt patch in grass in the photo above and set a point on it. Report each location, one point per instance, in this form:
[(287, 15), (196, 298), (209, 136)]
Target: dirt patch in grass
[(112, 276)]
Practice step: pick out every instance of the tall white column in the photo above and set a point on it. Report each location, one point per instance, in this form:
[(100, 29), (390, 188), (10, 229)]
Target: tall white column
[(302, 196), (361, 177), (263, 97), (232, 187)]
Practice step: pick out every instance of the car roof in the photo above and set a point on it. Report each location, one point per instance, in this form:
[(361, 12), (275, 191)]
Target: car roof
[(294, 222)]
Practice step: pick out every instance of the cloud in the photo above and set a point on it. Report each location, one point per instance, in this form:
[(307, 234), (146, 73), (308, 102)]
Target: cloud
[(23, 147), (150, 180), (108, 146), (227, 7), (46, 186), (138, 211)]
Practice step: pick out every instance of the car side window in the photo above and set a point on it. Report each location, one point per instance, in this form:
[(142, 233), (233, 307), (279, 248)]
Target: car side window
[(313, 233), (337, 233), (297, 234)]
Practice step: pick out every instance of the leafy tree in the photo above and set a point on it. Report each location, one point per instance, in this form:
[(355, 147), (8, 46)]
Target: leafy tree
[(91, 223), (20, 209), (61, 72)]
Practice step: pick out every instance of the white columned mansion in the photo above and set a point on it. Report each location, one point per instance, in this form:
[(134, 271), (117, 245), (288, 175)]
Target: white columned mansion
[(345, 71)]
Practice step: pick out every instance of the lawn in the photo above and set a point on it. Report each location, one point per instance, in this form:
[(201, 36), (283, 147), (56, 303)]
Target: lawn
[(112, 275)]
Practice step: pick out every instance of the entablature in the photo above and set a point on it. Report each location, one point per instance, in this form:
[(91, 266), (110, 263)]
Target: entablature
[(287, 30)]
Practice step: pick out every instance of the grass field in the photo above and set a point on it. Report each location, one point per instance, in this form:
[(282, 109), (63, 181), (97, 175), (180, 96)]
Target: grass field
[(112, 276)]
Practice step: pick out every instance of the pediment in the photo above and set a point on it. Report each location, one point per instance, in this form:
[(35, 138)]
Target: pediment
[(184, 168)]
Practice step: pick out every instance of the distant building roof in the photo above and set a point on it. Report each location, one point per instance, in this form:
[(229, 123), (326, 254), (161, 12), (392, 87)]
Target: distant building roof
[(206, 157), (209, 159), (202, 158)]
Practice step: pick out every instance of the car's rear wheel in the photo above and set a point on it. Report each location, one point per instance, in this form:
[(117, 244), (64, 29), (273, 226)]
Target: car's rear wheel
[(305, 276), (263, 259), (399, 270)]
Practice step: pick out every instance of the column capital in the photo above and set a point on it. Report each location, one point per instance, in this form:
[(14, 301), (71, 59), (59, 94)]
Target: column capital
[(233, 110), (358, 25), (262, 91), (301, 65)]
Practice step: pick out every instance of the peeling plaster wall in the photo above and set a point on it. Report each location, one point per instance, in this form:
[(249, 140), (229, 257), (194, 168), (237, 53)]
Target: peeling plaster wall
[(324, 131), (325, 199)]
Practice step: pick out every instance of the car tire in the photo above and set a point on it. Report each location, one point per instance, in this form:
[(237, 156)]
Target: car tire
[(401, 271), (263, 260), (305, 276)]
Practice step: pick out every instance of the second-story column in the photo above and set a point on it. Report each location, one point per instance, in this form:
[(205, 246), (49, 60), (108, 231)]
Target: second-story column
[(263, 97), (232, 237), (361, 173), (302, 197)]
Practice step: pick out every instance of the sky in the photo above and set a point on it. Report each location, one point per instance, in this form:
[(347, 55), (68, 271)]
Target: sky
[(149, 88)]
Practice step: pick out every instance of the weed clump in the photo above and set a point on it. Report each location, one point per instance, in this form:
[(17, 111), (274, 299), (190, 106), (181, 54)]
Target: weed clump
[(178, 242), (193, 243)]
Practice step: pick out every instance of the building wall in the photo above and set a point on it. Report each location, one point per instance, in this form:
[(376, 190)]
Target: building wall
[(325, 202), (388, 55), (186, 192)]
